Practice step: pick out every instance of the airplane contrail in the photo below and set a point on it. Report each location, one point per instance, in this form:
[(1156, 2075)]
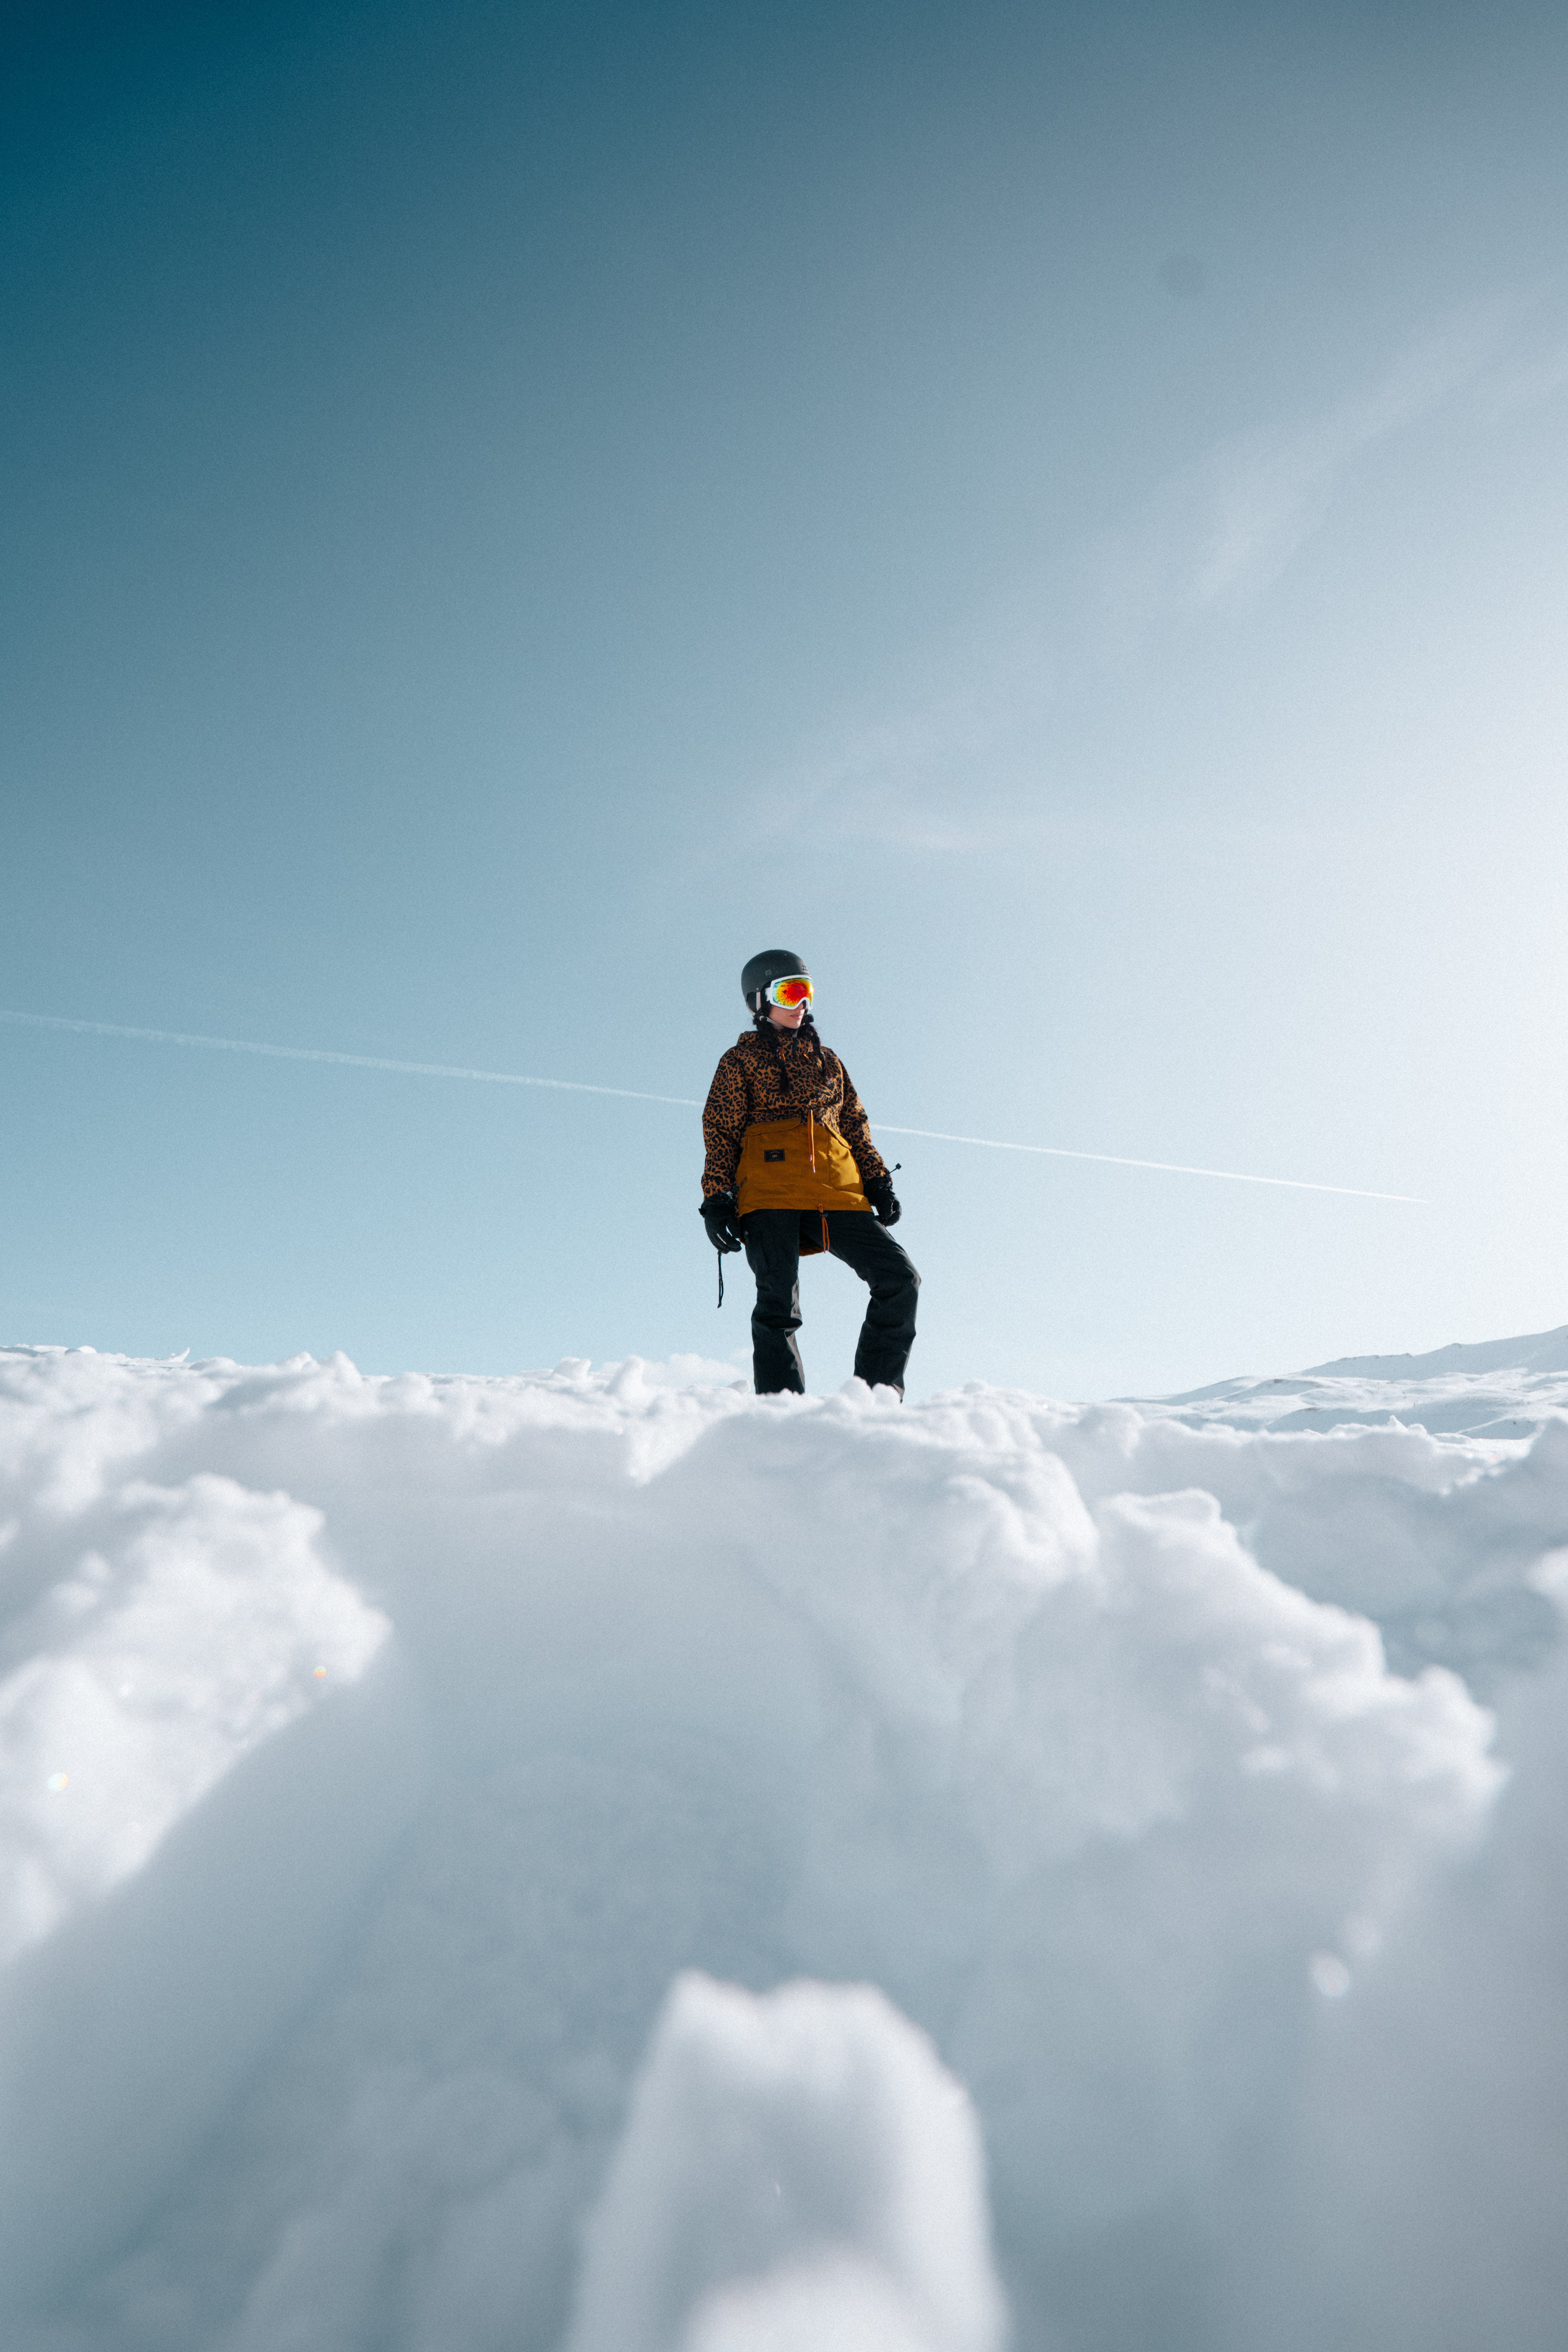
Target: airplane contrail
[(676, 1102), (350, 1061), (1165, 1167)]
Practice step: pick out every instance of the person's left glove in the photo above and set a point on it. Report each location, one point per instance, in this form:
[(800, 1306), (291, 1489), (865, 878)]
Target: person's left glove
[(719, 1216), (878, 1191)]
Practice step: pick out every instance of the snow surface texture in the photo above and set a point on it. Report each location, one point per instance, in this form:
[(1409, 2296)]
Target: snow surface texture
[(592, 1860)]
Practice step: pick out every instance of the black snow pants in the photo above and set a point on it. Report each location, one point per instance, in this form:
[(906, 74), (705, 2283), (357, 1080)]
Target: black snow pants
[(772, 1239)]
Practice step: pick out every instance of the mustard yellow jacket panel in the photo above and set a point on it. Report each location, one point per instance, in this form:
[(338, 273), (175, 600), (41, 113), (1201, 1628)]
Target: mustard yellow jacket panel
[(786, 1165)]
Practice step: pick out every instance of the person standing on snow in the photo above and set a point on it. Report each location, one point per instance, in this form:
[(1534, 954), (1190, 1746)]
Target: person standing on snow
[(791, 1171)]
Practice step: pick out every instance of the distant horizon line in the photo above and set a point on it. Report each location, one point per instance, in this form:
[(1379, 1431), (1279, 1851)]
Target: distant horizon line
[(674, 1102)]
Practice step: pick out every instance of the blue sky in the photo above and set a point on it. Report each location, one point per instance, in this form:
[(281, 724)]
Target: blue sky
[(1057, 514)]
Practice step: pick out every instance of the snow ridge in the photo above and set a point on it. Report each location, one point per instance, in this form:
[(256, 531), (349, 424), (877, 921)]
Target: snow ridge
[(489, 1811)]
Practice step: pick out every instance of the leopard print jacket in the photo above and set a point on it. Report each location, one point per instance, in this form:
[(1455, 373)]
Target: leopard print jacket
[(753, 1082)]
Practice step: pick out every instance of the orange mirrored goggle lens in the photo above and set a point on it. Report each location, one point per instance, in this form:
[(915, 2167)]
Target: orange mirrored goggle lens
[(796, 990)]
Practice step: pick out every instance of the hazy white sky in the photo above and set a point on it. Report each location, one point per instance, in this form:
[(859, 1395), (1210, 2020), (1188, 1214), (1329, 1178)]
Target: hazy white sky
[(1058, 515)]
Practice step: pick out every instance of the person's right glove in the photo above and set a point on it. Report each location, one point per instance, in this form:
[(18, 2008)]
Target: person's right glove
[(719, 1216), (878, 1191)]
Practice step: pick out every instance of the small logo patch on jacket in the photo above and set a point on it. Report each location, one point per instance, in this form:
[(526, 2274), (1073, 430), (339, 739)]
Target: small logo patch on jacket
[(772, 1155)]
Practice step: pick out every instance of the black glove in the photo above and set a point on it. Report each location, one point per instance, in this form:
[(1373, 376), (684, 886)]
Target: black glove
[(719, 1216), (878, 1191)]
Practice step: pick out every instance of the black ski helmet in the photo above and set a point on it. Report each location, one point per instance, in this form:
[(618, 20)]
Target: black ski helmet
[(773, 963)]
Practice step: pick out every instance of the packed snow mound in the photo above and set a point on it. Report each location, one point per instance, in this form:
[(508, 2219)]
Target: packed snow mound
[(1501, 1389), (205, 1625), (796, 2170), (419, 1790)]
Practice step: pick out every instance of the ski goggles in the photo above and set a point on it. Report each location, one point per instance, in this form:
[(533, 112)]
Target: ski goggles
[(788, 993)]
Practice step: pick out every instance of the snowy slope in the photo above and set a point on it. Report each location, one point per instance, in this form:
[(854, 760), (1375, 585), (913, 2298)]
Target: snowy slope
[(1502, 1389), (600, 1860)]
